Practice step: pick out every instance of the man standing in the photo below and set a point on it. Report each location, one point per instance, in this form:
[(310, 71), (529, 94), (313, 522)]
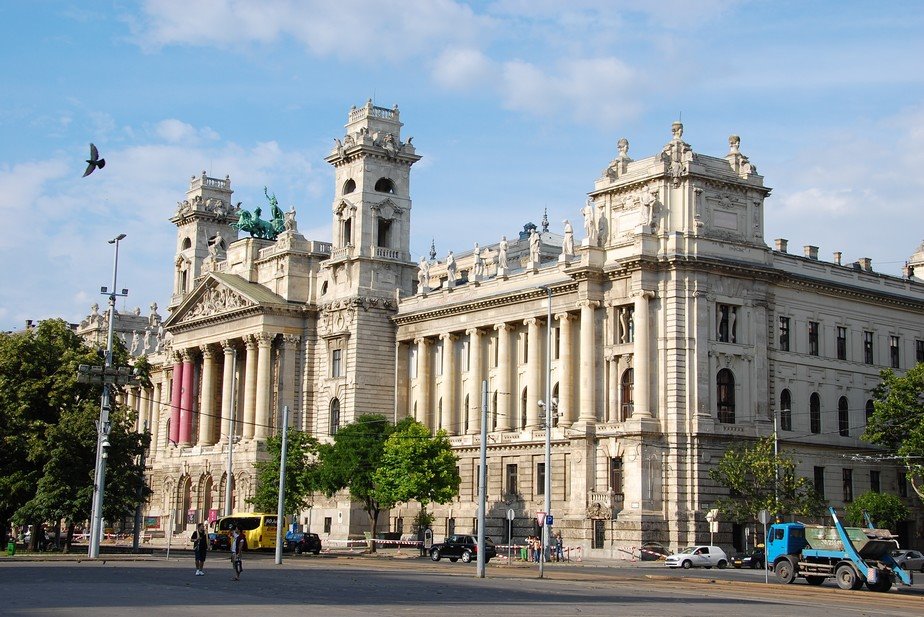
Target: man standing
[(238, 544), (200, 545)]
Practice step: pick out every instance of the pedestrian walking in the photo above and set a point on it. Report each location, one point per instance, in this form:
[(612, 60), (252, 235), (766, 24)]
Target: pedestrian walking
[(200, 546), (238, 544), (559, 547)]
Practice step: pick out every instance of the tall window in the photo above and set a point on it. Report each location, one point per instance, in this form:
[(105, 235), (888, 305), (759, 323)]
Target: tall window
[(868, 347), (627, 387), (919, 351), (875, 484), (820, 481), (843, 417), (815, 413), (841, 343), (334, 416), (725, 396), (894, 351), (335, 363), (616, 476), (540, 478), (726, 328), (786, 410), (848, 484), (903, 484), (813, 338), (870, 408), (511, 479), (784, 333)]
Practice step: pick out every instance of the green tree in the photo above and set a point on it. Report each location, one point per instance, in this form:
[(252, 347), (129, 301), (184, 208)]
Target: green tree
[(885, 510), (757, 480), (352, 461), (418, 466), (897, 422), (301, 462)]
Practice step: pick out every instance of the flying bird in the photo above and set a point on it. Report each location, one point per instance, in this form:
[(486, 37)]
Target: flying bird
[(94, 161)]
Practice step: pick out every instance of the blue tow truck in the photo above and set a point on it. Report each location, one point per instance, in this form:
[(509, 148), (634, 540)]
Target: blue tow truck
[(851, 555)]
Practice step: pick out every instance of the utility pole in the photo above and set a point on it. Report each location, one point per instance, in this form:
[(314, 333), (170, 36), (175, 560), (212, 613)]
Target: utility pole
[(280, 508)]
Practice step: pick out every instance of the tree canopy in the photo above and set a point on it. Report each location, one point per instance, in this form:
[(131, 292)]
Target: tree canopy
[(301, 464), (884, 509), (897, 422), (757, 480)]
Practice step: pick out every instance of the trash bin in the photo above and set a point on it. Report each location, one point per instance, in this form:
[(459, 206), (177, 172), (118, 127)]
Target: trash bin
[(11, 548)]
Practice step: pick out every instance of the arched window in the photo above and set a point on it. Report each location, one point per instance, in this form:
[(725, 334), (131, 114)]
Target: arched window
[(334, 416), (384, 185), (523, 410), (627, 389), (349, 186), (815, 413), (786, 410), (725, 396), (843, 417), (187, 243), (870, 409)]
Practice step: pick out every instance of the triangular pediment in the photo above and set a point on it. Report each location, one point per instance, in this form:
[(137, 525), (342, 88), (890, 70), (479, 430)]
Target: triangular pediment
[(218, 294)]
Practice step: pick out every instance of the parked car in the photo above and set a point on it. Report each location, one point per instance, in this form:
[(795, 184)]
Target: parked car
[(298, 543), (754, 558), (462, 547), (909, 559), (698, 556), (219, 542)]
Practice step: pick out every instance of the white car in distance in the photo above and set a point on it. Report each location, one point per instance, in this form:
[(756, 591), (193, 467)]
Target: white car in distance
[(698, 557)]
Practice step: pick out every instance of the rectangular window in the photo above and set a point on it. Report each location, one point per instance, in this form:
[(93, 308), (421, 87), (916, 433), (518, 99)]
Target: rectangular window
[(820, 481), (475, 481), (726, 326), (599, 539), (868, 347), (466, 359), (412, 364), (511, 480), (335, 368), (894, 351), (540, 478), (813, 338), (450, 526), (841, 343), (556, 335), (327, 524), (874, 483), (616, 475), (848, 484), (784, 333), (902, 484), (525, 340), (919, 351), (439, 359)]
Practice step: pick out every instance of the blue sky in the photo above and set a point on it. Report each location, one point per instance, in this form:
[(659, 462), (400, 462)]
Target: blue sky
[(515, 106)]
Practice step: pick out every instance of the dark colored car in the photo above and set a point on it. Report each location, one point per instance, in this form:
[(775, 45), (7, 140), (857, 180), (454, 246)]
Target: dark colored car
[(753, 559), (462, 547), (298, 543), (219, 542)]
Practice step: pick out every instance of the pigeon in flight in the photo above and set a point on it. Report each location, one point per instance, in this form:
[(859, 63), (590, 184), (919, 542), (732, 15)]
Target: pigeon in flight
[(94, 161)]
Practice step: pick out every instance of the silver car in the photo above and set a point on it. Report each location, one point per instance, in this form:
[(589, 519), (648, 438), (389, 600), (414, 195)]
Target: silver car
[(698, 557), (909, 559)]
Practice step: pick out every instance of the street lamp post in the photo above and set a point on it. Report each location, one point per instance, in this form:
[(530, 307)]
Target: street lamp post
[(548, 433), (102, 440)]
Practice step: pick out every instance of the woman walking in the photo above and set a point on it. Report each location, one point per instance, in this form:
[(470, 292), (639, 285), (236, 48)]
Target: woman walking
[(238, 544), (200, 546)]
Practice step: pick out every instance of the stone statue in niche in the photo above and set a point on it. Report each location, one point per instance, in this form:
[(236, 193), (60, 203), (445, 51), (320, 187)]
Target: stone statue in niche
[(502, 253), (567, 244), (590, 222), (649, 202)]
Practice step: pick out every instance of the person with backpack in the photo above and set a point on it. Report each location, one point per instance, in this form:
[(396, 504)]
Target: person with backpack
[(200, 545), (238, 545)]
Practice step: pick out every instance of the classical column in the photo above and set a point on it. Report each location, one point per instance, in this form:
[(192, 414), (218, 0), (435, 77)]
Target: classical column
[(612, 404), (474, 381), (176, 394), (640, 352), (588, 361), (424, 383), (504, 395), (565, 370), (227, 386), (534, 370), (207, 402), (448, 388), (156, 396), (250, 387), (264, 379), (186, 399), (131, 400), (287, 389)]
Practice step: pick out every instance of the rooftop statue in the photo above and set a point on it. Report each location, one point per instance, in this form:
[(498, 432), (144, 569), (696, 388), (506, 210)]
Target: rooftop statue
[(261, 228)]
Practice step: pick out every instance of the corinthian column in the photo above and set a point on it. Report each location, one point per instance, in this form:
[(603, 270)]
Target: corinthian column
[(448, 384), (503, 377), (250, 386), (565, 370), (424, 383), (176, 397), (227, 386), (264, 378), (533, 371), (207, 404), (288, 388), (155, 413), (186, 399), (474, 381), (588, 363), (641, 360)]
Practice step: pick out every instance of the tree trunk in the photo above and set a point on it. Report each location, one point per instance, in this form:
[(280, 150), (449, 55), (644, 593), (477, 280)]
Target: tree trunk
[(373, 523), (70, 537)]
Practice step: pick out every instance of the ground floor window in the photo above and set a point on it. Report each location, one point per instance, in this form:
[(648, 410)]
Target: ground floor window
[(599, 537)]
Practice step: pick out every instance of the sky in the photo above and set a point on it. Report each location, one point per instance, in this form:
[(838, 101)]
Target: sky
[(515, 105)]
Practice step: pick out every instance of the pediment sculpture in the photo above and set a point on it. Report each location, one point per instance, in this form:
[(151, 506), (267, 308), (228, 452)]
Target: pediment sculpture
[(214, 301)]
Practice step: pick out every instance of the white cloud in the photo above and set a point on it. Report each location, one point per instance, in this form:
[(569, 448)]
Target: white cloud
[(462, 69), (176, 131)]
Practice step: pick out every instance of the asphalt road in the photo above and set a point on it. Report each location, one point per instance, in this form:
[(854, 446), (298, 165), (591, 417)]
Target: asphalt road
[(350, 586)]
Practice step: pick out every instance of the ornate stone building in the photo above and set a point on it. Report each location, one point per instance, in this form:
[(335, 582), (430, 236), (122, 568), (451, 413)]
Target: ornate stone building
[(675, 332)]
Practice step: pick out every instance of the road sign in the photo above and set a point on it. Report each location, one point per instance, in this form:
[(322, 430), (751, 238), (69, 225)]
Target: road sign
[(511, 514), (548, 519), (540, 518), (763, 517)]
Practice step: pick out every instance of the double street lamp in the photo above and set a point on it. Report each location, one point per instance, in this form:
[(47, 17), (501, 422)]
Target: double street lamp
[(102, 440)]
